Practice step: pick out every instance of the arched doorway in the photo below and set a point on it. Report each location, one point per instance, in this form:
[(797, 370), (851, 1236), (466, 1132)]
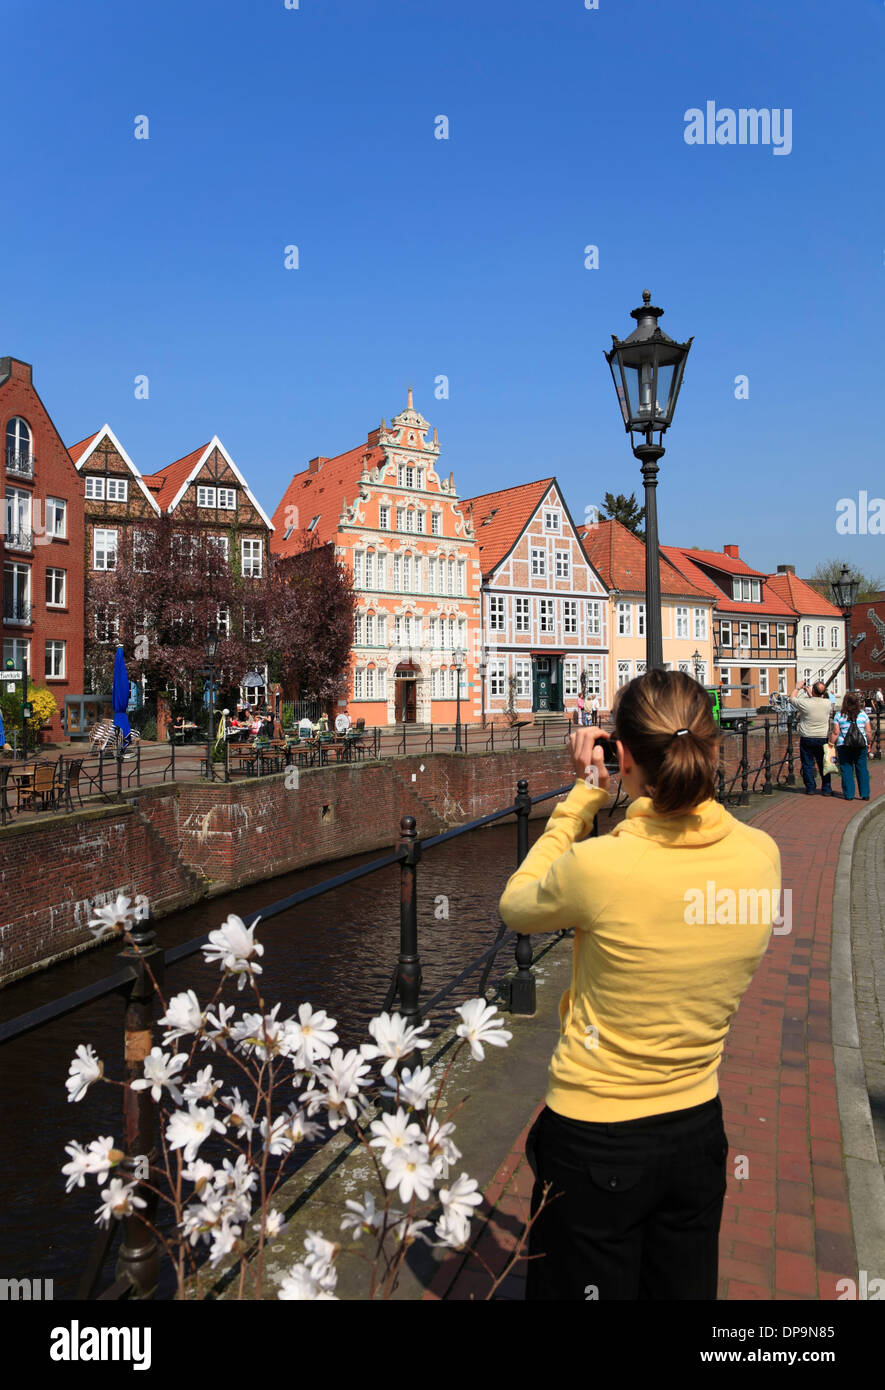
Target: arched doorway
[(406, 688)]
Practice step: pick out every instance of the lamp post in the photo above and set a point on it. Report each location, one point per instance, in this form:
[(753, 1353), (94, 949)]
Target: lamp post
[(458, 658), (844, 591), (647, 369), (697, 659), (211, 654)]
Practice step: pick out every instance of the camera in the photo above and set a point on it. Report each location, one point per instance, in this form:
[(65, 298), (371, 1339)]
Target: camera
[(609, 752)]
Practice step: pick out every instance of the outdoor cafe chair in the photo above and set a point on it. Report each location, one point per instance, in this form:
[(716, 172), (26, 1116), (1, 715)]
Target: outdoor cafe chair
[(70, 781), (46, 785)]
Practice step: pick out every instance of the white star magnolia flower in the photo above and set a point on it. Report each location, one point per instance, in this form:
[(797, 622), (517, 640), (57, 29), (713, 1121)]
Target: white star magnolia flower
[(320, 1258), (83, 1071), (189, 1131), (311, 1037), (481, 1026), (201, 1218), (103, 1157), (118, 1200), (452, 1230), (406, 1231), (223, 1241), (114, 919), (182, 1016), (262, 1034), (273, 1223), (395, 1039), (442, 1151), (199, 1173), (217, 1026), (416, 1088), (410, 1172), (238, 1178), (301, 1285), (96, 1162), (159, 1069), (458, 1199), (362, 1216), (342, 1076), (234, 946), (203, 1087), (240, 1117), (393, 1133)]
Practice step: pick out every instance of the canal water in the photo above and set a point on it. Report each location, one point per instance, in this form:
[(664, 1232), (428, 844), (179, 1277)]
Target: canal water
[(336, 952)]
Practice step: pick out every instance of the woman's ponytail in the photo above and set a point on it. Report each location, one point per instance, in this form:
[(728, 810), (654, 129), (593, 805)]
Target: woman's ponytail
[(666, 721)]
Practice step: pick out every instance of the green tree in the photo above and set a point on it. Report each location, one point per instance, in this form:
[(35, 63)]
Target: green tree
[(821, 579), (626, 510)]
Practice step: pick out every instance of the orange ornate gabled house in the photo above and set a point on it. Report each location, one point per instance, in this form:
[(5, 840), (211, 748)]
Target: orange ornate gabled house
[(400, 528)]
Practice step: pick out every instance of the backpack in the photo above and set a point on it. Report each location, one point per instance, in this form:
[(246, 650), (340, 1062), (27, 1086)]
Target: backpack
[(854, 739)]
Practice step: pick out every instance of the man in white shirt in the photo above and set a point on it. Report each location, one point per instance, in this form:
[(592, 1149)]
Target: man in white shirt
[(815, 713)]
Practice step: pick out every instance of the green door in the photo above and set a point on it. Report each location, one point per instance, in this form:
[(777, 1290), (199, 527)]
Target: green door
[(543, 692)]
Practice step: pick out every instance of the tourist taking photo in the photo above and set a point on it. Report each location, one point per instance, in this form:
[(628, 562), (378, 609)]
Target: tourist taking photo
[(631, 1141)]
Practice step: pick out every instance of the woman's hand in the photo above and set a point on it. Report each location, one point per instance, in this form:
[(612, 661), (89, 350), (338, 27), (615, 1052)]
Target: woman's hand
[(585, 752)]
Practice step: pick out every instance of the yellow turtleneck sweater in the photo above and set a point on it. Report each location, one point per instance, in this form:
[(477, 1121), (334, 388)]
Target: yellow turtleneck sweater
[(673, 914)]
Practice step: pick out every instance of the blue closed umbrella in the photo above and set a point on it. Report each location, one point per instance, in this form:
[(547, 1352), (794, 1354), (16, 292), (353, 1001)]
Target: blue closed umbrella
[(2, 731), (120, 695)]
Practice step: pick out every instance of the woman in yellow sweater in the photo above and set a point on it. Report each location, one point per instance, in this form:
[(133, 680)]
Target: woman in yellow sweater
[(673, 912)]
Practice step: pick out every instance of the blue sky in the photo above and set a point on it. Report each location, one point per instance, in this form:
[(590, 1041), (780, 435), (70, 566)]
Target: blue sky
[(421, 257)]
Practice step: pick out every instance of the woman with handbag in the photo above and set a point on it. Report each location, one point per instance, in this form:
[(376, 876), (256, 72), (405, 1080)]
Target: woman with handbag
[(851, 738), (631, 1143)]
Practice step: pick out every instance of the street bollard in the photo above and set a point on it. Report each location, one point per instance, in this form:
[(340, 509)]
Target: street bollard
[(139, 1256), (523, 995), (409, 965)]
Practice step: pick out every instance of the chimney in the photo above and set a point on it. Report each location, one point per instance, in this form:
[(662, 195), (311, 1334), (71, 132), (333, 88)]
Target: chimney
[(314, 465), (731, 550), (786, 569)]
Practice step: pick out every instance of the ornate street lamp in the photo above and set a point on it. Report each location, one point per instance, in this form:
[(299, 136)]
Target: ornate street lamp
[(844, 590), (697, 659), (647, 370), (211, 656), (458, 658)]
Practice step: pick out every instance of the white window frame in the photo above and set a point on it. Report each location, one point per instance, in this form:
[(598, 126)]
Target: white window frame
[(764, 636), (53, 571), (256, 551), (700, 624), (227, 499), (523, 615), (497, 613), (497, 675), (539, 563), (552, 521), (594, 617), (207, 496), (570, 617), (625, 620), (562, 564), (546, 615), (682, 628), (725, 633), (105, 549), (57, 647), (117, 490), (94, 488), (781, 636), (56, 518), (522, 670)]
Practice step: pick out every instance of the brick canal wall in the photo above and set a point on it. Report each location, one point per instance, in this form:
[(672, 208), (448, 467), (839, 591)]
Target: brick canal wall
[(180, 842)]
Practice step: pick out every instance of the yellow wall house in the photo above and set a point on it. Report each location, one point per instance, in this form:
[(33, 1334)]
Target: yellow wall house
[(686, 610)]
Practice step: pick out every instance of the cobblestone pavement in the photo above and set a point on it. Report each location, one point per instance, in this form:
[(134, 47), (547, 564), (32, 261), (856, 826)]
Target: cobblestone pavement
[(787, 1230)]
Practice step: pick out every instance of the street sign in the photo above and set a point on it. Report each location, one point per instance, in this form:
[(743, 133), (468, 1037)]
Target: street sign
[(13, 675), (28, 711)]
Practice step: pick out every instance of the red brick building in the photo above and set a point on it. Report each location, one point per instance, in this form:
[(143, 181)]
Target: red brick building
[(43, 532)]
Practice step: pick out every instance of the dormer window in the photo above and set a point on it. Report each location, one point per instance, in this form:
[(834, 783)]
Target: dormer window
[(287, 533), (746, 590), (315, 520)]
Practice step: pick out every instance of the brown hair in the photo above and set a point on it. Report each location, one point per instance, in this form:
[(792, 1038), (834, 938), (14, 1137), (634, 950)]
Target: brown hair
[(680, 769), (851, 704)]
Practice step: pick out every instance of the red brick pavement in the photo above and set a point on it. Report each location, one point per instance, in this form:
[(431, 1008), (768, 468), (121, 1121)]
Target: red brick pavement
[(786, 1226)]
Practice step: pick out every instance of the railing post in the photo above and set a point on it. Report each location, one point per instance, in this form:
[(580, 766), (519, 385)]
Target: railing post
[(523, 998), (431, 736), (172, 746), (720, 772), (544, 733), (493, 738), (745, 764), (791, 779), (101, 769), (139, 1256), (766, 785), (119, 761), (408, 971), (227, 759), (878, 752)]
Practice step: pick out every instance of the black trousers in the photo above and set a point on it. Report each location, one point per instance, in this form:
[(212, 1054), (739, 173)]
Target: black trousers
[(634, 1207)]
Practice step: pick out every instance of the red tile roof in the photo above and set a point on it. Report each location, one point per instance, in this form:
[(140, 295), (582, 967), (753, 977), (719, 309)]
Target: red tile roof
[(802, 596), (772, 604), (619, 558), (499, 518), (321, 494), (718, 559), (165, 483), (77, 451)]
